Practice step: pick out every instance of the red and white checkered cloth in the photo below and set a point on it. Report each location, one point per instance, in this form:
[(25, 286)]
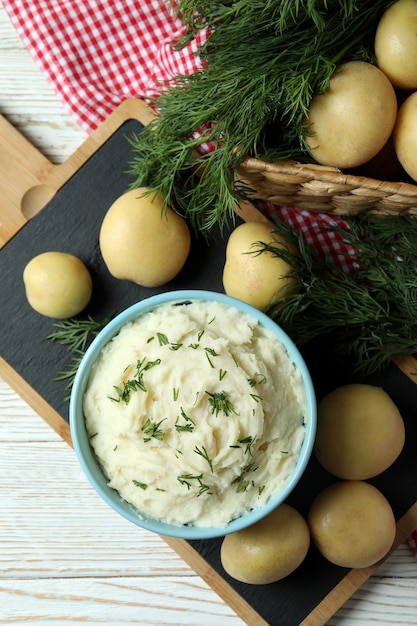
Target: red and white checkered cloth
[(97, 53)]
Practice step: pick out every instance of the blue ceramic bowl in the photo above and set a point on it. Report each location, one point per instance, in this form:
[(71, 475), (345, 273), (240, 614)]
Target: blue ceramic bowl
[(87, 457)]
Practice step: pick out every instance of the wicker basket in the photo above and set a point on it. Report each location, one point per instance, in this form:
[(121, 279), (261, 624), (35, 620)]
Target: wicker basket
[(325, 189)]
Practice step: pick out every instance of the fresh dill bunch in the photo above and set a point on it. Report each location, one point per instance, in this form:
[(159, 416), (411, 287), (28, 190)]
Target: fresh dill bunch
[(260, 67), (370, 313)]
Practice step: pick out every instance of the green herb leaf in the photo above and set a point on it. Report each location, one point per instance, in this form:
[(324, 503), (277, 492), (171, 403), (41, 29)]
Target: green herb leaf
[(220, 402), (139, 484), (152, 429), (261, 66), (369, 314), (134, 384), (203, 453)]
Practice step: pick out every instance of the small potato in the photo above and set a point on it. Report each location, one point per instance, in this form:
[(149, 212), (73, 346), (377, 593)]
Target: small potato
[(396, 44), (57, 284), (353, 120), (405, 135), (255, 278), (360, 432), (142, 242), (269, 550), (352, 524)]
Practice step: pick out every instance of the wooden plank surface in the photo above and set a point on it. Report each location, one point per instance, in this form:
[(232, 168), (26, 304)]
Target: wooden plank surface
[(98, 569)]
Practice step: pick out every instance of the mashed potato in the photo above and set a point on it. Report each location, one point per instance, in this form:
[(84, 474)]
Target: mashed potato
[(195, 413)]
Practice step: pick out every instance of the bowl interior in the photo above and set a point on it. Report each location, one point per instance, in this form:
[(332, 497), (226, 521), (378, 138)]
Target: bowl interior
[(87, 458)]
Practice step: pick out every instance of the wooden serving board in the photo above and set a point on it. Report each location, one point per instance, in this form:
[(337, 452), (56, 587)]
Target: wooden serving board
[(60, 207)]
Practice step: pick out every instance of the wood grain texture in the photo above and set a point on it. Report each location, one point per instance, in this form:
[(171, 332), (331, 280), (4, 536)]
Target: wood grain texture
[(100, 569)]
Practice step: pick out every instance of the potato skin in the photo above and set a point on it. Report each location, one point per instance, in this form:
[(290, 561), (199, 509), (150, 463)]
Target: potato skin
[(57, 284), (396, 44), (141, 242), (405, 135), (352, 524), (354, 119), (360, 432), (254, 278), (269, 550)]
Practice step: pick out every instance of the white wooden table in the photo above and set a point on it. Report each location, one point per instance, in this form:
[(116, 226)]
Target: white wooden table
[(100, 569)]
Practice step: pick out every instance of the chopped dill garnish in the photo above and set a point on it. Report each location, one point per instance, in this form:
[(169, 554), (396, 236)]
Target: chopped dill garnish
[(188, 427), (135, 383), (211, 352), (248, 441), (204, 454), (139, 484), (162, 338), (241, 481), (152, 429), (185, 479), (220, 402), (261, 380), (222, 374)]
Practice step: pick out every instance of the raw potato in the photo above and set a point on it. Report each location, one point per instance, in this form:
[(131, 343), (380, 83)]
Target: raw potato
[(251, 277), (57, 284), (405, 135), (269, 550), (353, 120), (352, 524), (360, 432), (396, 44), (143, 243)]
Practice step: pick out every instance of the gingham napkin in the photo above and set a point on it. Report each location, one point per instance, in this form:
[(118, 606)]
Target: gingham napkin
[(97, 53)]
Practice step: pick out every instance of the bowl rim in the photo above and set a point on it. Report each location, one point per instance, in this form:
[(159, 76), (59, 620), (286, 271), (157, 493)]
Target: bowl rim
[(88, 460)]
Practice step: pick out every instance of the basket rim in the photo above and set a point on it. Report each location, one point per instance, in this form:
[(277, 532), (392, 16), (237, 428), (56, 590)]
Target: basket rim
[(324, 173)]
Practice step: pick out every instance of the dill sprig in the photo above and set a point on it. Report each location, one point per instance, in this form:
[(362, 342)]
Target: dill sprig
[(369, 313), (68, 374), (260, 67), (75, 333)]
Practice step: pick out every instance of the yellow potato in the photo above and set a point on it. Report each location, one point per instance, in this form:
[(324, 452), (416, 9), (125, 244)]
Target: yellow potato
[(396, 44), (352, 524), (252, 277), (405, 135), (360, 432), (141, 242), (269, 550), (354, 119), (57, 284)]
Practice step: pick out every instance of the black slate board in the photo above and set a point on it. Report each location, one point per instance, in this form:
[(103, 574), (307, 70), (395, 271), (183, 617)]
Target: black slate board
[(71, 223)]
